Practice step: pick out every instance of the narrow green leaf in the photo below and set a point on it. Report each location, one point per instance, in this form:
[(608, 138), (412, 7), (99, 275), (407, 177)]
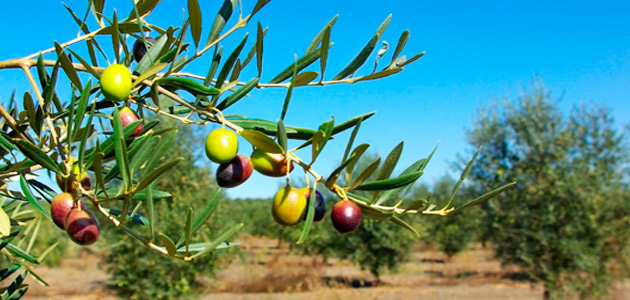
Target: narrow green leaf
[(400, 222), (194, 17), (402, 41), (270, 128), (310, 213), (150, 72), (363, 55), (152, 55), (287, 98), (282, 136), (417, 204), (37, 277), (115, 37), (5, 223), (13, 287), (324, 49), (123, 28), (81, 108), (67, 66), (259, 5), (37, 155), (485, 197), (120, 150), (261, 141), (144, 7), (302, 63), (134, 216), (390, 183), (29, 107), (229, 63), (348, 124), (414, 58), (204, 215), (196, 247), (85, 64), (354, 157), (150, 209), (165, 144), (218, 241), (29, 195), (219, 21), (365, 174), (42, 73), (351, 141), (6, 272), (377, 75), (320, 139), (216, 60), (188, 228), (238, 94), (168, 244), (320, 35), (357, 152), (189, 85), (15, 250), (7, 144), (98, 167), (305, 78), (143, 154), (390, 162), (259, 48), (156, 173), (415, 167), (459, 182), (18, 294)]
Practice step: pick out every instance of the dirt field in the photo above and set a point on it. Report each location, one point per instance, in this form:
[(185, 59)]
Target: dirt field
[(269, 272)]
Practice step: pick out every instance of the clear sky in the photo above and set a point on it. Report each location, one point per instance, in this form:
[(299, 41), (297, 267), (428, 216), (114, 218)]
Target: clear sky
[(475, 52)]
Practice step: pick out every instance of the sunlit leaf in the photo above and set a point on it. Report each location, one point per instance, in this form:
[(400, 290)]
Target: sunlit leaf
[(218, 241), (238, 94), (194, 17), (204, 215), (261, 141), (320, 35), (310, 213), (390, 162), (67, 66), (390, 183), (168, 244), (363, 55)]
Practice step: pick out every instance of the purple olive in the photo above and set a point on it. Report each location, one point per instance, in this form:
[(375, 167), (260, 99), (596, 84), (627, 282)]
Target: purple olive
[(82, 227), (320, 204), (346, 216), (139, 49), (235, 172)]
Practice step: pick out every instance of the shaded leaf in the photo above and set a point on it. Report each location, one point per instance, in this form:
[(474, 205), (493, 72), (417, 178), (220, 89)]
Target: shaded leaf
[(219, 21), (37, 155), (320, 35), (189, 85), (67, 66), (270, 128), (204, 215), (168, 244), (390, 162), (310, 214), (402, 41)]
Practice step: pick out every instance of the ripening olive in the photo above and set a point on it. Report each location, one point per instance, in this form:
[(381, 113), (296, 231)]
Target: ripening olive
[(221, 145), (139, 49), (116, 82), (82, 227), (70, 186), (320, 204), (235, 172), (270, 164), (345, 216), (61, 206), (289, 206), (128, 116)]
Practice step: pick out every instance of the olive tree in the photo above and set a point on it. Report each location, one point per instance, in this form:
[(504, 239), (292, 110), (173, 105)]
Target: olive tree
[(565, 222), (99, 123)]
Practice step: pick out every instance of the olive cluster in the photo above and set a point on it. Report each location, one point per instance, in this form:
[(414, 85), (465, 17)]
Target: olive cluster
[(68, 211), (289, 205)]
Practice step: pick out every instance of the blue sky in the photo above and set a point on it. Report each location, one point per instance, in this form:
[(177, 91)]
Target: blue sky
[(475, 52)]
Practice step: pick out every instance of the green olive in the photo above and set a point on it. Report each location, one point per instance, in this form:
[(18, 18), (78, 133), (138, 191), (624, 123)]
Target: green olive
[(221, 145), (289, 206), (116, 82)]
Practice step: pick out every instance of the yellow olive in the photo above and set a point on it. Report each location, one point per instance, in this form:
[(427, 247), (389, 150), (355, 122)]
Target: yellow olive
[(289, 206)]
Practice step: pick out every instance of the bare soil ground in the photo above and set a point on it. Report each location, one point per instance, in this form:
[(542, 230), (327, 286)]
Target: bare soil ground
[(272, 272)]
